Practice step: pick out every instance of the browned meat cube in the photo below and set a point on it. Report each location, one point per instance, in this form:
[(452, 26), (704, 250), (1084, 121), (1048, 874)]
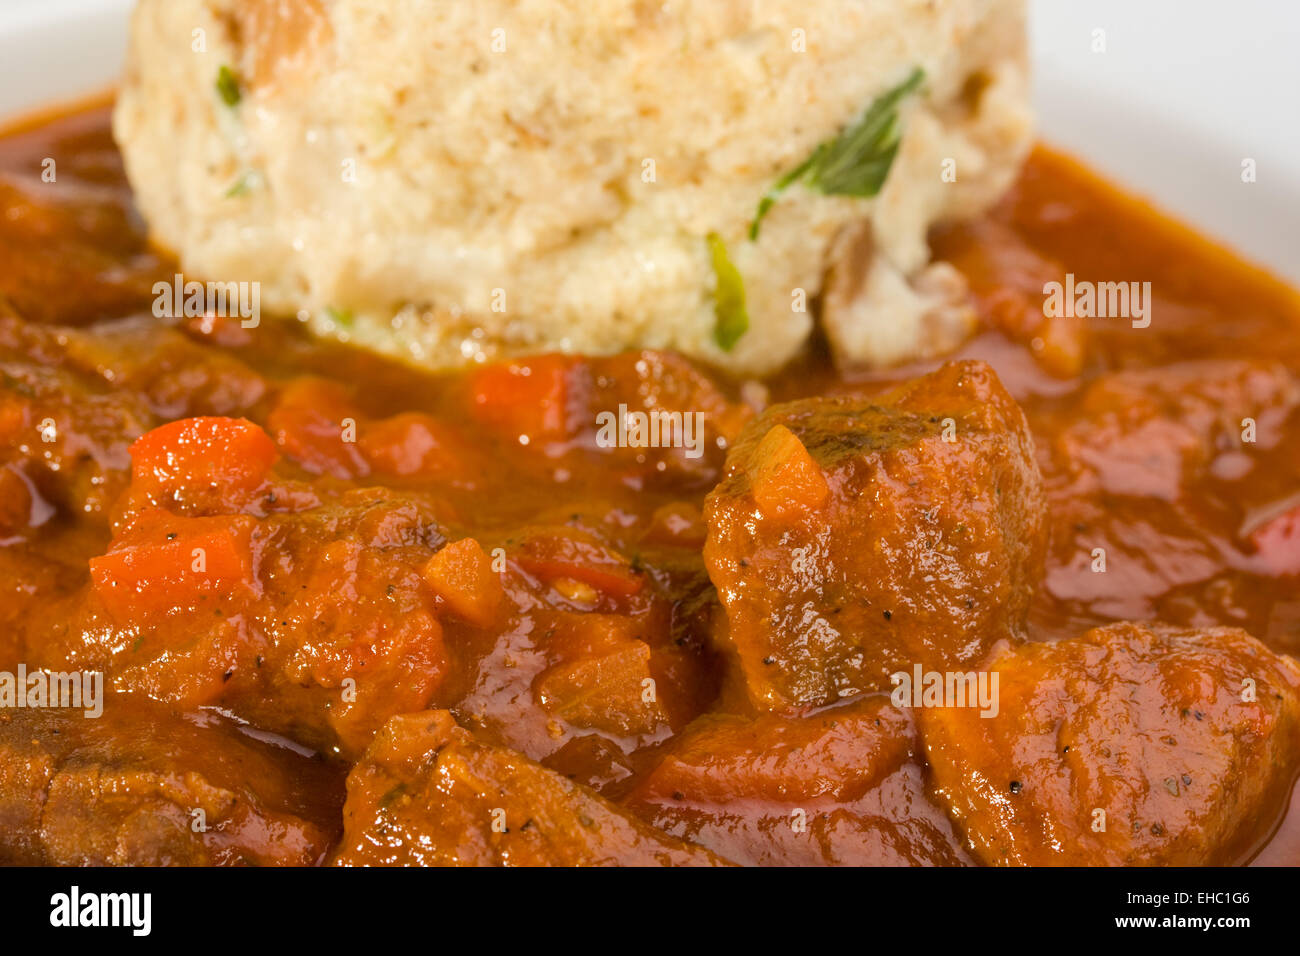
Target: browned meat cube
[(634, 392), (842, 786), (1131, 745), (1146, 432), (852, 538), (427, 793), (325, 633), (67, 434), (138, 786), (1148, 468)]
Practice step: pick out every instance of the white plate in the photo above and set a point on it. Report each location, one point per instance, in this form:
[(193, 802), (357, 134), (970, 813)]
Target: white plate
[(55, 50), (1184, 92)]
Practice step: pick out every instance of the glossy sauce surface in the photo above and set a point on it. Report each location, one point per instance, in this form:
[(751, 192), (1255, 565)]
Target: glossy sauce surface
[(1137, 430)]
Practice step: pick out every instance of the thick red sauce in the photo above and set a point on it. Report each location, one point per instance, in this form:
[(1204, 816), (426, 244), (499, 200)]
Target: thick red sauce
[(1193, 520)]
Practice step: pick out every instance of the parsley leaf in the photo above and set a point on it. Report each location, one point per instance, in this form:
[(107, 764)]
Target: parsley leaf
[(854, 163), (228, 86), (240, 186), (731, 320), (343, 317)]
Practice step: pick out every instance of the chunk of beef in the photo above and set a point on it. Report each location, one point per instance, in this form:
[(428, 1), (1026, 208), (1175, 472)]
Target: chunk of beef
[(852, 538), (428, 793), (71, 253), (1144, 432), (67, 439), (72, 401), (676, 421), (139, 786), (314, 624), (318, 611), (1131, 745), (227, 584), (840, 787), (651, 418), (1122, 466)]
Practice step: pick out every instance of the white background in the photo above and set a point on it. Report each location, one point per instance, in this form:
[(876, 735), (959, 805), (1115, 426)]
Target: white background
[(1185, 90)]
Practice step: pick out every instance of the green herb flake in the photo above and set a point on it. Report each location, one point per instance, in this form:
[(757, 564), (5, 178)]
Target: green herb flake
[(228, 86), (343, 317), (240, 187), (854, 163), (731, 320)]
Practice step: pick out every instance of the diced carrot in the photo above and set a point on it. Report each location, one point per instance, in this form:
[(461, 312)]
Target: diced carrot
[(1277, 543), (557, 557), (461, 574), (165, 563), (13, 421), (524, 398), (414, 444), (1064, 345), (213, 464), (316, 424), (579, 635), (783, 477), (607, 692)]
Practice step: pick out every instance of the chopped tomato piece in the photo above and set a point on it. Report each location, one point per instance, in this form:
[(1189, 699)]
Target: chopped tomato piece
[(461, 574), (416, 445), (316, 424), (525, 398), (166, 562), (1277, 543), (213, 464), (554, 558), (783, 477)]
